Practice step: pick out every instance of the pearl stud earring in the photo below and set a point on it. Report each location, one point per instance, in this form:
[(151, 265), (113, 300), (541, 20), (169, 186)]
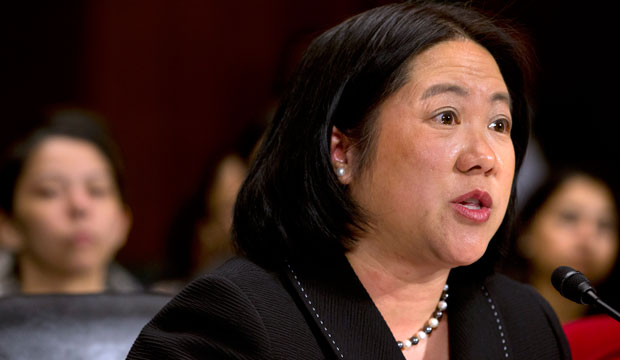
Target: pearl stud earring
[(340, 171)]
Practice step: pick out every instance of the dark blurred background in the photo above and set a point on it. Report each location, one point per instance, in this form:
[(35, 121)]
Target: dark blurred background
[(176, 80)]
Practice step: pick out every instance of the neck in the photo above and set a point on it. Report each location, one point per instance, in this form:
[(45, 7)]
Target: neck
[(565, 309), (405, 295), (38, 279)]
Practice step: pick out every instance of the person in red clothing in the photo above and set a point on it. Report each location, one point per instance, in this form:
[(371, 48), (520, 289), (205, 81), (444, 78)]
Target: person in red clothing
[(595, 337)]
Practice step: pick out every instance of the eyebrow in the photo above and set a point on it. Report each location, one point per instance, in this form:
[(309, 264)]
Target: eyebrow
[(460, 91), (54, 176), (444, 88), (502, 97)]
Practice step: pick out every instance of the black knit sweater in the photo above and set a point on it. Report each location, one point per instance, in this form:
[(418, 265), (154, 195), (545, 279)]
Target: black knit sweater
[(242, 311)]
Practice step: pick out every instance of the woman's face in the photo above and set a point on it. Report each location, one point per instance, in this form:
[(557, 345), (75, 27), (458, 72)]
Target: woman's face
[(439, 184), (214, 229), (67, 208), (577, 227)]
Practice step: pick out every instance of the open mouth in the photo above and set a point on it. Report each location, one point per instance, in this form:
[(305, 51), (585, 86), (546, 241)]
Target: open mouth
[(475, 200), (474, 206)]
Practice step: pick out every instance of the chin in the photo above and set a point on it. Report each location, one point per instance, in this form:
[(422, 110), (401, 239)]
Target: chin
[(80, 266), (464, 256), (466, 261)]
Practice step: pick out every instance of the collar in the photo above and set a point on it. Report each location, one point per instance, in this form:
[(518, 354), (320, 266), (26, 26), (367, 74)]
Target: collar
[(343, 311), (476, 326), (354, 328)]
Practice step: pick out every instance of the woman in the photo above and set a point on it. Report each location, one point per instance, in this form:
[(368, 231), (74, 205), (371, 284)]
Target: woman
[(199, 240), (571, 220), (63, 210), (385, 174)]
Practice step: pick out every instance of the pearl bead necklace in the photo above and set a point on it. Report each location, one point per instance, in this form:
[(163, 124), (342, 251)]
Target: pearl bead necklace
[(432, 323)]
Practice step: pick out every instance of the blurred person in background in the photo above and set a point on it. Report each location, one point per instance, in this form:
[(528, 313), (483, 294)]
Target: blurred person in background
[(571, 220), (6, 254), (63, 209), (200, 236), (214, 245)]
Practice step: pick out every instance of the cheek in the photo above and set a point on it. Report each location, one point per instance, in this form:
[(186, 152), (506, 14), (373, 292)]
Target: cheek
[(550, 240), (506, 161), (421, 172), (605, 255), (112, 223), (43, 239), (608, 249), (41, 222)]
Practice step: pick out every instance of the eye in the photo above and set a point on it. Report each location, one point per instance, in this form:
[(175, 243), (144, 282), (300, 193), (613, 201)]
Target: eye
[(446, 118), (501, 126), (99, 190), (568, 217), (46, 191), (605, 225)]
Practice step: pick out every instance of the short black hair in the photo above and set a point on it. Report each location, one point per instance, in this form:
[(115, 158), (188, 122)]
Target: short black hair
[(67, 121), (292, 205)]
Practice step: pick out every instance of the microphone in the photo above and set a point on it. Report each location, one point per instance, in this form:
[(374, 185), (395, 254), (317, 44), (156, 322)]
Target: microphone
[(574, 286)]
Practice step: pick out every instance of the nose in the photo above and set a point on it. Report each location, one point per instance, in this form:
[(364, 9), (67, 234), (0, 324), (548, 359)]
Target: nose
[(477, 156), (587, 231), (78, 203)]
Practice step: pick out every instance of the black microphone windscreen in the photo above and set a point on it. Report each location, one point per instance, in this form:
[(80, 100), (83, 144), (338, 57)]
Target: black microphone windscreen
[(559, 275), (574, 286), (570, 283)]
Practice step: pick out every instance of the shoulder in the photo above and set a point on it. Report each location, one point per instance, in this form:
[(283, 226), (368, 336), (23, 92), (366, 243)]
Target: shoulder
[(518, 298), (211, 317), (9, 283), (121, 280), (523, 309), (512, 290), (239, 311), (520, 302), (244, 273)]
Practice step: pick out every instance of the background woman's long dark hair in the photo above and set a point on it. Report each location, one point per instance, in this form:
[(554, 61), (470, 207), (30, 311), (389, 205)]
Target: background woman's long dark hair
[(517, 267)]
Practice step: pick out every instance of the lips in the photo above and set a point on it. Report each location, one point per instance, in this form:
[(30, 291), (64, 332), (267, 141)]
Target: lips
[(81, 239), (474, 206)]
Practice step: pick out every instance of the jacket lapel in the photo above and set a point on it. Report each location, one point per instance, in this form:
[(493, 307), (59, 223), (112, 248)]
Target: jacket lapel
[(471, 310), (343, 312), (354, 329)]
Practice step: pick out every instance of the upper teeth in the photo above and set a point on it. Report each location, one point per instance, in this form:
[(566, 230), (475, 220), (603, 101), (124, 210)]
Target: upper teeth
[(473, 204)]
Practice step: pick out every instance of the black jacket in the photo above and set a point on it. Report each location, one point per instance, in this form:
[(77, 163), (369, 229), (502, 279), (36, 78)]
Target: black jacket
[(242, 311)]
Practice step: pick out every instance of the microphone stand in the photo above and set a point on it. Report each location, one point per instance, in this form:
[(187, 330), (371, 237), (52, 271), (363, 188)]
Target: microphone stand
[(597, 302), (574, 286)]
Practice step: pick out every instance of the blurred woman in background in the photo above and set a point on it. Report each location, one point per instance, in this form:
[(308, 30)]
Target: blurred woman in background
[(572, 220), (199, 239), (63, 209)]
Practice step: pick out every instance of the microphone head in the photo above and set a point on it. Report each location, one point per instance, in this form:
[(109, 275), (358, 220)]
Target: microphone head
[(572, 284)]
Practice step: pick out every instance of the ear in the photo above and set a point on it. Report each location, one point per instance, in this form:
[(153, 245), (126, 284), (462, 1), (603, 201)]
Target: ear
[(341, 152), (124, 226), (9, 235)]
